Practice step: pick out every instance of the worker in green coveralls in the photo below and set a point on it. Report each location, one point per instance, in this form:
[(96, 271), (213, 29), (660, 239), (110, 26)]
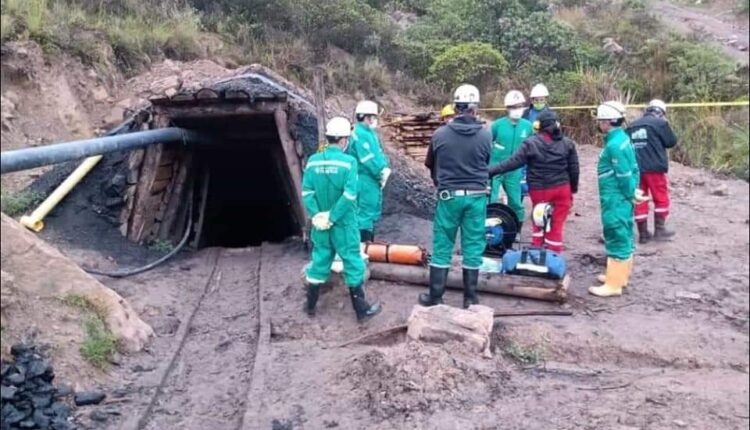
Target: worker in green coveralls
[(508, 134), (329, 193), (373, 168), (618, 193)]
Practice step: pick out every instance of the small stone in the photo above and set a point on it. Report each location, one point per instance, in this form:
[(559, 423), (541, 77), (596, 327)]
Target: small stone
[(720, 190), (41, 401), (27, 424), (100, 94), (60, 409), (680, 423), (15, 379), (99, 416), (63, 390), (116, 359), (139, 368), (41, 419), (7, 393), (11, 414), (687, 295), (89, 398)]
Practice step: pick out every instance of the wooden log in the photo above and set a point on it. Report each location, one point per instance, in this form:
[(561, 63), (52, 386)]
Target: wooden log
[(510, 285), (319, 99), (236, 95), (207, 94), (175, 196), (293, 165), (140, 217)]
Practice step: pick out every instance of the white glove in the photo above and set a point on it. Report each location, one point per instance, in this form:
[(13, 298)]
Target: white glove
[(639, 197), (384, 175), (321, 221)]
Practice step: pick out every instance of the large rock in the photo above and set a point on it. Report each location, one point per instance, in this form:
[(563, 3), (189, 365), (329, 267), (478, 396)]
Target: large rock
[(41, 270), (440, 324)]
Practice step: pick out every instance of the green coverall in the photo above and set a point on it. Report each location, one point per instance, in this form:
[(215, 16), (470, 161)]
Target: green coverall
[(467, 212), (364, 145), (330, 184), (618, 179), (507, 137)]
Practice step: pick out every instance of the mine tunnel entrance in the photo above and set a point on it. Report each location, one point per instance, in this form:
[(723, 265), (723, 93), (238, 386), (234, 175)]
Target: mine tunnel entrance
[(243, 189)]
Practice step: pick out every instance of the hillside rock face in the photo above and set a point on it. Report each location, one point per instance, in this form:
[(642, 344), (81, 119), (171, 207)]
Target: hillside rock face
[(39, 269)]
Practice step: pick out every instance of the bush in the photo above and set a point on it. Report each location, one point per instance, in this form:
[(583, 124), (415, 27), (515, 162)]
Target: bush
[(14, 204), (474, 62), (701, 73)]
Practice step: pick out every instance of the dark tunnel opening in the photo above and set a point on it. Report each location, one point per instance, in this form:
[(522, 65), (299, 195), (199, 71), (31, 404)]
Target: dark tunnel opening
[(243, 174)]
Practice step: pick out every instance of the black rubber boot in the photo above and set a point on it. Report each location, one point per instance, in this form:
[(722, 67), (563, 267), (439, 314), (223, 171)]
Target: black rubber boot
[(644, 236), (363, 309), (366, 236), (471, 279), (313, 292), (438, 278), (660, 229)]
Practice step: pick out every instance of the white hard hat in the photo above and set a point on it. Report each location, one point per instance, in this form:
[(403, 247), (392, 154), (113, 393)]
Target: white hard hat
[(541, 215), (539, 90), (466, 94), (514, 98), (610, 110), (658, 104), (366, 107), (339, 127)]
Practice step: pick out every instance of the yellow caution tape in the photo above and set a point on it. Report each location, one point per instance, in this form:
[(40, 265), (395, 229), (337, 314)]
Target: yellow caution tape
[(673, 105)]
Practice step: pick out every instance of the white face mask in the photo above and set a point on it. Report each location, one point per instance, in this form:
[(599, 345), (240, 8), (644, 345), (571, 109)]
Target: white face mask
[(374, 124), (516, 113)]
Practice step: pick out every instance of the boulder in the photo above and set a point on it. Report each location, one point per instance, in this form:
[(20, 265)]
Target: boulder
[(39, 269), (442, 323)]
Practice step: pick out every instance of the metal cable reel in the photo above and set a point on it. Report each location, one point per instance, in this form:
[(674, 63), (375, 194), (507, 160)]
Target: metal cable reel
[(501, 229)]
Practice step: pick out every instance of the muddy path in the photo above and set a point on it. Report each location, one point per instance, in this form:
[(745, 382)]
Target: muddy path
[(711, 24), (671, 353)]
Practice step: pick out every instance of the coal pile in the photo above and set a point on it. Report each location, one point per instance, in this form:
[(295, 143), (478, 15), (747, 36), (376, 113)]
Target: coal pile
[(29, 399)]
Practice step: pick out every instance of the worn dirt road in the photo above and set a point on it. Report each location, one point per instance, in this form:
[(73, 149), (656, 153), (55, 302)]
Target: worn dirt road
[(712, 24)]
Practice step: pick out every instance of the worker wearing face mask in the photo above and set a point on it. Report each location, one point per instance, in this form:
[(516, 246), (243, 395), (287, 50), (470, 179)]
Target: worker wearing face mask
[(329, 192), (539, 95), (374, 170), (508, 133)]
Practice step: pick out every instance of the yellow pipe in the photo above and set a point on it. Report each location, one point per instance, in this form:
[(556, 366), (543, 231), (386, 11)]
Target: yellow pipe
[(34, 221)]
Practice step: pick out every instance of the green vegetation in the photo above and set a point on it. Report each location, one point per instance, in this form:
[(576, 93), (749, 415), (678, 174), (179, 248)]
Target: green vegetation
[(14, 204), (584, 50), (99, 344), (161, 245), (527, 355)]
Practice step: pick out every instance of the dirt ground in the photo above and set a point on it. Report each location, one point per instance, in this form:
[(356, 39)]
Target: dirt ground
[(716, 22), (234, 349)]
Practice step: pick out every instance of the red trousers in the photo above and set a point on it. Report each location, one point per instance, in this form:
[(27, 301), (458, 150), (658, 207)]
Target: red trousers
[(561, 199), (657, 186)]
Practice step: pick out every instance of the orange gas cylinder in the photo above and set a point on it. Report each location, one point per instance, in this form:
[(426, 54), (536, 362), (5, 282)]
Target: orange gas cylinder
[(398, 254)]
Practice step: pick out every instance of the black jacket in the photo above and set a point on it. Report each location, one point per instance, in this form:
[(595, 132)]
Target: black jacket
[(459, 155), (549, 163), (651, 136)]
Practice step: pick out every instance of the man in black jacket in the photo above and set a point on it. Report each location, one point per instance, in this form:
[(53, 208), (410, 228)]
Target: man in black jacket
[(552, 174), (651, 136), (458, 158)]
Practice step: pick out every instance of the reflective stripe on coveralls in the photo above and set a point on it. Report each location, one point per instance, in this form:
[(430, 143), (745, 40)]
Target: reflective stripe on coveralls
[(365, 147), (561, 199), (507, 138), (330, 184), (618, 178), (459, 212)]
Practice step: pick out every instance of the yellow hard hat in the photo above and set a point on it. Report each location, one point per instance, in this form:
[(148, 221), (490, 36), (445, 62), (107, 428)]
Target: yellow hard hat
[(447, 111)]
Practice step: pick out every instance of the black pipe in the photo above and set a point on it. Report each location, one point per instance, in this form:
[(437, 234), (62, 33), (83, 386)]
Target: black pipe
[(29, 158)]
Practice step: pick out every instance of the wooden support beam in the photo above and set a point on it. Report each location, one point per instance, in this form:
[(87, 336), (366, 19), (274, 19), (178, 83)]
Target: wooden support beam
[(510, 285), (220, 110), (293, 165)]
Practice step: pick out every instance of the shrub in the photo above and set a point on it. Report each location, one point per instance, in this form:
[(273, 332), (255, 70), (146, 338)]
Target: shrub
[(700, 72), (474, 62), (14, 204)]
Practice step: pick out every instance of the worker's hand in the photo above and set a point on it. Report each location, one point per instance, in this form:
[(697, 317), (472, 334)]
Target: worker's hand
[(640, 197), (321, 221), (384, 175)]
